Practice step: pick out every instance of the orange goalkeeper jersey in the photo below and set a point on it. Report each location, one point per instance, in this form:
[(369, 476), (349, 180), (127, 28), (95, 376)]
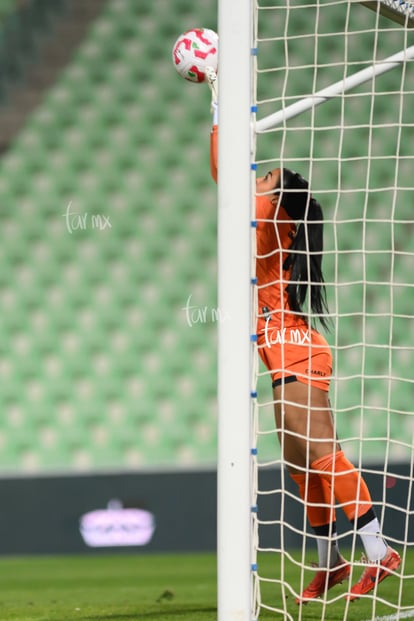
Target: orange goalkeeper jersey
[(274, 234)]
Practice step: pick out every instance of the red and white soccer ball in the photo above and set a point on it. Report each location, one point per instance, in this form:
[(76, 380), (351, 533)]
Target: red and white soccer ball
[(195, 50)]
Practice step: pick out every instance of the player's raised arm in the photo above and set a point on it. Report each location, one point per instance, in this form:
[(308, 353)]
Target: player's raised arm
[(195, 58), (211, 78)]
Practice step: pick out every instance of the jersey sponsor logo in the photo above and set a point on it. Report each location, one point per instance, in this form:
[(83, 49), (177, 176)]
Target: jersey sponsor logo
[(316, 372)]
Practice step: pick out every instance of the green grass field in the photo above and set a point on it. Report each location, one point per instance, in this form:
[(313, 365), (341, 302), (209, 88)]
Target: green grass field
[(157, 588)]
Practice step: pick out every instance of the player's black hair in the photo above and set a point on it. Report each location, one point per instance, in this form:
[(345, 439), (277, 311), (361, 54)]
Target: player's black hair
[(305, 260)]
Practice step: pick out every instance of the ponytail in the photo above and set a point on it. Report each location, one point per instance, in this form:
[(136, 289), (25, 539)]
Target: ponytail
[(305, 260)]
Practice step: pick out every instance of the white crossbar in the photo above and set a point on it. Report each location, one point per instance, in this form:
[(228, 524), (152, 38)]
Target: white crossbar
[(274, 120)]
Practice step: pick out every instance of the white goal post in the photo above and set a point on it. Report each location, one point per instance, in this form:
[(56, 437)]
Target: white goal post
[(234, 291), (242, 126)]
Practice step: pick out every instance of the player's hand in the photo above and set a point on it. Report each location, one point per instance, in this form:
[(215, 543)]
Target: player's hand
[(211, 78)]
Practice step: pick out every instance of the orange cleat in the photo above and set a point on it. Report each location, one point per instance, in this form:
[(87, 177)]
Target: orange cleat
[(374, 574), (325, 580)]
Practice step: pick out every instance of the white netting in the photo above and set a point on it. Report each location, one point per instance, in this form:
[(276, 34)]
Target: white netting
[(357, 150)]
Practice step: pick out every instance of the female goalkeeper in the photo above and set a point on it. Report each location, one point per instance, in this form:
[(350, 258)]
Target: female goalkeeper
[(289, 280)]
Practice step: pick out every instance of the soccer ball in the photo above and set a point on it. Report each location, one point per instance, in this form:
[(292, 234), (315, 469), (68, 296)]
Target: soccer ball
[(193, 51)]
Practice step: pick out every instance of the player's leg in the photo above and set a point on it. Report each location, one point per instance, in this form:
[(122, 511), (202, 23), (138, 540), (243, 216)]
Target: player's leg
[(315, 492), (305, 423)]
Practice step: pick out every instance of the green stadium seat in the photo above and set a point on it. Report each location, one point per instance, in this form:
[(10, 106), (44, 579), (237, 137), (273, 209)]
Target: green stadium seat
[(102, 368)]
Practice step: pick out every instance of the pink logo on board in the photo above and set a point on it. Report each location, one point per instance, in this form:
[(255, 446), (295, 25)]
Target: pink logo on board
[(117, 526)]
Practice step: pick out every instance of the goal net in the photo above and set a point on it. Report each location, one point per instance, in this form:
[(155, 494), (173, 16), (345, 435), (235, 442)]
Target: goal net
[(353, 139)]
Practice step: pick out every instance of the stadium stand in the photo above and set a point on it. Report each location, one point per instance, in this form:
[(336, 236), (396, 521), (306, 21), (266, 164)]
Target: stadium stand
[(23, 24), (108, 257), (104, 240)]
